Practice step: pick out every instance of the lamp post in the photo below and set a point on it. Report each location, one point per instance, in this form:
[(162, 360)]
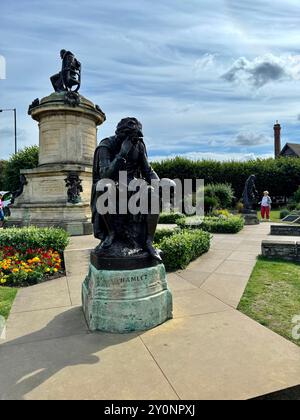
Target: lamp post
[(15, 121)]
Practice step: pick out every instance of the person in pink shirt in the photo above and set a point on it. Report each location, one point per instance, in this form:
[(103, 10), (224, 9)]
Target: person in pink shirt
[(266, 206)]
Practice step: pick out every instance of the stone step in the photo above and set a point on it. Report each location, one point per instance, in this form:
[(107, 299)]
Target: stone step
[(285, 230), (286, 250)]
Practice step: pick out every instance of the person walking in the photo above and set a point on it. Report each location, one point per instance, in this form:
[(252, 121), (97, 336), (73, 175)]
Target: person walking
[(266, 206)]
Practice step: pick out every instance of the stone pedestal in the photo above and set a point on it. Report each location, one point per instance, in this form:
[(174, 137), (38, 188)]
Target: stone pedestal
[(67, 141), (251, 218), (126, 300)]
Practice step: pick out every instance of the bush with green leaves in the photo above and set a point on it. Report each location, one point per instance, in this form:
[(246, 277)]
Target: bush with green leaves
[(170, 218), (214, 224), (210, 204), (181, 248), (24, 159), (32, 237), (232, 224), (296, 196), (223, 193), (192, 222), (160, 234), (284, 213)]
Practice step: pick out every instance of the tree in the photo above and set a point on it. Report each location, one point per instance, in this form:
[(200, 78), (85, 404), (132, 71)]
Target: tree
[(2, 170), (27, 158)]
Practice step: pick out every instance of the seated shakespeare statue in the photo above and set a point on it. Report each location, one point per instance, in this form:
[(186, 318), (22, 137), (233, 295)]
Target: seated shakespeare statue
[(123, 233)]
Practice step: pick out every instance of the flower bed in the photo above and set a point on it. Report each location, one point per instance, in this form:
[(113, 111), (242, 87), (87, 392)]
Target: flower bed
[(28, 267)]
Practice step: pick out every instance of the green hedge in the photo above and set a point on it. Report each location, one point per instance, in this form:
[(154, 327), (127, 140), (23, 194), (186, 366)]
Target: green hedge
[(181, 248), (160, 234), (232, 224), (280, 176), (221, 225), (170, 218), (32, 237)]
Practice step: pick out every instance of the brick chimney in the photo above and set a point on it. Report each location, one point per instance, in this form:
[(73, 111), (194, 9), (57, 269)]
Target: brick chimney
[(277, 139)]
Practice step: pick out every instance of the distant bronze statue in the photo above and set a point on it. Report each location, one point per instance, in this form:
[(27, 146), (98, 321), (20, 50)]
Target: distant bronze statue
[(70, 75), (250, 194), (73, 184), (17, 193), (124, 234)]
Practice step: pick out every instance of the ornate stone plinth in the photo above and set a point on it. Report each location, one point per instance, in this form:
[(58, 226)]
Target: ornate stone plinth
[(67, 141), (126, 300)]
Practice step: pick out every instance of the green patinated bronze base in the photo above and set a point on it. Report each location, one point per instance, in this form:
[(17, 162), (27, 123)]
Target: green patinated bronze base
[(127, 300)]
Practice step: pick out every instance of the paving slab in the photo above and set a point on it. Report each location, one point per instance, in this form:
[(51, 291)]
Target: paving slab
[(229, 288), (177, 284), (88, 367), (195, 277), (196, 302), (77, 262), (51, 294), (206, 265), (242, 256), (75, 286), (223, 356), (242, 268), (28, 327)]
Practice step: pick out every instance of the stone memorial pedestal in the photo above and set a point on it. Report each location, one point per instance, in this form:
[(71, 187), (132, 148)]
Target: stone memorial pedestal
[(251, 218), (67, 141), (122, 301)]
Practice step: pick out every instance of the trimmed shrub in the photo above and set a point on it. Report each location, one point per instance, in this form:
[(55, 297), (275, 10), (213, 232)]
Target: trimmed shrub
[(231, 224), (214, 224), (22, 239), (284, 213), (170, 218), (160, 234), (182, 248), (193, 222)]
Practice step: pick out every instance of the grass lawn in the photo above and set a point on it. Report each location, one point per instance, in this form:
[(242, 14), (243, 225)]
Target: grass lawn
[(274, 216), (272, 295), (7, 296)]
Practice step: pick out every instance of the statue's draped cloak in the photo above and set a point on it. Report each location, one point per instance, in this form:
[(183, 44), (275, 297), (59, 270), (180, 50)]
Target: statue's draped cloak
[(108, 163)]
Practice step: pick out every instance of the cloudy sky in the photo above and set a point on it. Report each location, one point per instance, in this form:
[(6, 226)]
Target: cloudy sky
[(207, 78)]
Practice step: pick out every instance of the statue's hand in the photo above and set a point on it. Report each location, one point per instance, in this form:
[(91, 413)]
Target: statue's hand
[(126, 147)]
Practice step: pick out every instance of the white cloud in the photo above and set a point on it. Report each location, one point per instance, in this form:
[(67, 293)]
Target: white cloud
[(263, 69), (252, 139), (225, 156)]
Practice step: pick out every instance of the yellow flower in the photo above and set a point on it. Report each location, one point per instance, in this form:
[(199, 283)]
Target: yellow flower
[(15, 270)]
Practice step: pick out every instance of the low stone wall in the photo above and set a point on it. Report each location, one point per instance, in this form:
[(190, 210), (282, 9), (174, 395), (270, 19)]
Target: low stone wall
[(286, 250), (285, 230)]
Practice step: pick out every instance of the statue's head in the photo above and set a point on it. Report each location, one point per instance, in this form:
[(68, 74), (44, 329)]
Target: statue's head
[(130, 127), (62, 53)]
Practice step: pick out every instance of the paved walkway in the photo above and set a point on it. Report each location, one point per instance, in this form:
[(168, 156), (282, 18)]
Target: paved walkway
[(208, 351)]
